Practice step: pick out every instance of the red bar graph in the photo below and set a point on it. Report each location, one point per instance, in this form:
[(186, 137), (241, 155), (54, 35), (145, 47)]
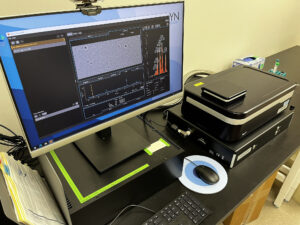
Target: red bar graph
[(161, 66)]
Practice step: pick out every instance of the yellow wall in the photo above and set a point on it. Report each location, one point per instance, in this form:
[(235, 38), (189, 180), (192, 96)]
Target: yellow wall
[(216, 32)]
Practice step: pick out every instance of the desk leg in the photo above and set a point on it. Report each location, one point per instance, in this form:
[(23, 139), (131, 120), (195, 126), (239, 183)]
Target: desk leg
[(290, 181), (293, 187)]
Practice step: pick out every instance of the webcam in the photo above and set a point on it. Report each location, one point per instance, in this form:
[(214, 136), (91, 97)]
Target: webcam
[(88, 7)]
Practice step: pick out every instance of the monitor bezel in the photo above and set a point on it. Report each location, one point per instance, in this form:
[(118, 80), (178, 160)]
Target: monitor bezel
[(108, 8), (91, 130)]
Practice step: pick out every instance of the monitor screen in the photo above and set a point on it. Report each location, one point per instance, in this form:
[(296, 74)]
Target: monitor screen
[(70, 75)]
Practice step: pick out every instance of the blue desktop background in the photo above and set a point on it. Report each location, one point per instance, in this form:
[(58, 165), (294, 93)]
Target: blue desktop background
[(49, 20)]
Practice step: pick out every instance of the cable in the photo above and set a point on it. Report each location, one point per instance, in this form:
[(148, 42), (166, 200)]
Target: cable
[(18, 146), (143, 116), (196, 73), (1, 143), (8, 129), (186, 78), (146, 122), (191, 161), (127, 207)]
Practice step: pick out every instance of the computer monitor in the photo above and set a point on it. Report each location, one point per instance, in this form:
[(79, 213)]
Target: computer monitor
[(71, 75)]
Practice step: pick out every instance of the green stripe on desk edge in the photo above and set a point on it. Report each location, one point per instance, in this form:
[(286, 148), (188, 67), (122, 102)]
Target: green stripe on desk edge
[(148, 151), (101, 190), (163, 141)]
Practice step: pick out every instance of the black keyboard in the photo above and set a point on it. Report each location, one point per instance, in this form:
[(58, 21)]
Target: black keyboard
[(184, 210)]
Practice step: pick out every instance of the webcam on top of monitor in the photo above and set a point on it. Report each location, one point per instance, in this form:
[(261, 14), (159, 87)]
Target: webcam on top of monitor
[(88, 7)]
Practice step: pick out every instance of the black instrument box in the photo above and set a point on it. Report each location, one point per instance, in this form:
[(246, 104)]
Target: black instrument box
[(233, 103), (230, 153)]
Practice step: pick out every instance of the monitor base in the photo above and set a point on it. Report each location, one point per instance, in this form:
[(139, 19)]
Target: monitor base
[(105, 152)]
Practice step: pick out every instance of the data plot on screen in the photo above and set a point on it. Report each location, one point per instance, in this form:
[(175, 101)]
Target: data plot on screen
[(158, 52)]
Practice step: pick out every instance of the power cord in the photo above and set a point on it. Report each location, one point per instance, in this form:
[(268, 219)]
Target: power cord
[(143, 116), (18, 146), (16, 142), (129, 206)]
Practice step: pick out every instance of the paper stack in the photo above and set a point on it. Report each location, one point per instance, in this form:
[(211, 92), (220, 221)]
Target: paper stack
[(32, 200)]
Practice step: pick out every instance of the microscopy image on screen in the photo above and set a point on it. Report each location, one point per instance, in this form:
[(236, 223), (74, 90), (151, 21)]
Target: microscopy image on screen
[(106, 56)]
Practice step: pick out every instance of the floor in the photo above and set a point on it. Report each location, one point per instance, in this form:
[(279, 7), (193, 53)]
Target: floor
[(287, 214)]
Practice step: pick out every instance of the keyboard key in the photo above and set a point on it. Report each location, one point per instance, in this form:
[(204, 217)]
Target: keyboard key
[(205, 210), (190, 215), (197, 219), (195, 213), (157, 221)]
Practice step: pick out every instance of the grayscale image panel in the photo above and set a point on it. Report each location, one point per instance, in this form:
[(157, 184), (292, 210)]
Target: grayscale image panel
[(105, 56)]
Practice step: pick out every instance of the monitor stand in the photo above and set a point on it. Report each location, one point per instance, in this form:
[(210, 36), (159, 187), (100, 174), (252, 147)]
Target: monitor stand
[(109, 147)]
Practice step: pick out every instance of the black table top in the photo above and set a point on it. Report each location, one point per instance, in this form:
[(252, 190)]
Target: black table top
[(245, 177)]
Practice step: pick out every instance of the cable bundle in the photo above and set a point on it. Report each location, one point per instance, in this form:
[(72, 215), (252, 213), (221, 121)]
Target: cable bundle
[(18, 146)]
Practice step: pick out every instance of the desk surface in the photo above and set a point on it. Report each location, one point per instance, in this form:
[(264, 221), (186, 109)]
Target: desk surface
[(245, 177)]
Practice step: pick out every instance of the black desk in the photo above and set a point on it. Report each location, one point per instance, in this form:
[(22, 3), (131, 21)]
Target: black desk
[(245, 177)]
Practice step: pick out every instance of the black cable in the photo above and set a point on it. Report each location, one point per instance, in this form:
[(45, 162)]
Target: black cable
[(129, 206), (143, 116), (156, 123), (8, 129), (18, 145), (146, 123), (1, 143), (190, 75), (191, 161)]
